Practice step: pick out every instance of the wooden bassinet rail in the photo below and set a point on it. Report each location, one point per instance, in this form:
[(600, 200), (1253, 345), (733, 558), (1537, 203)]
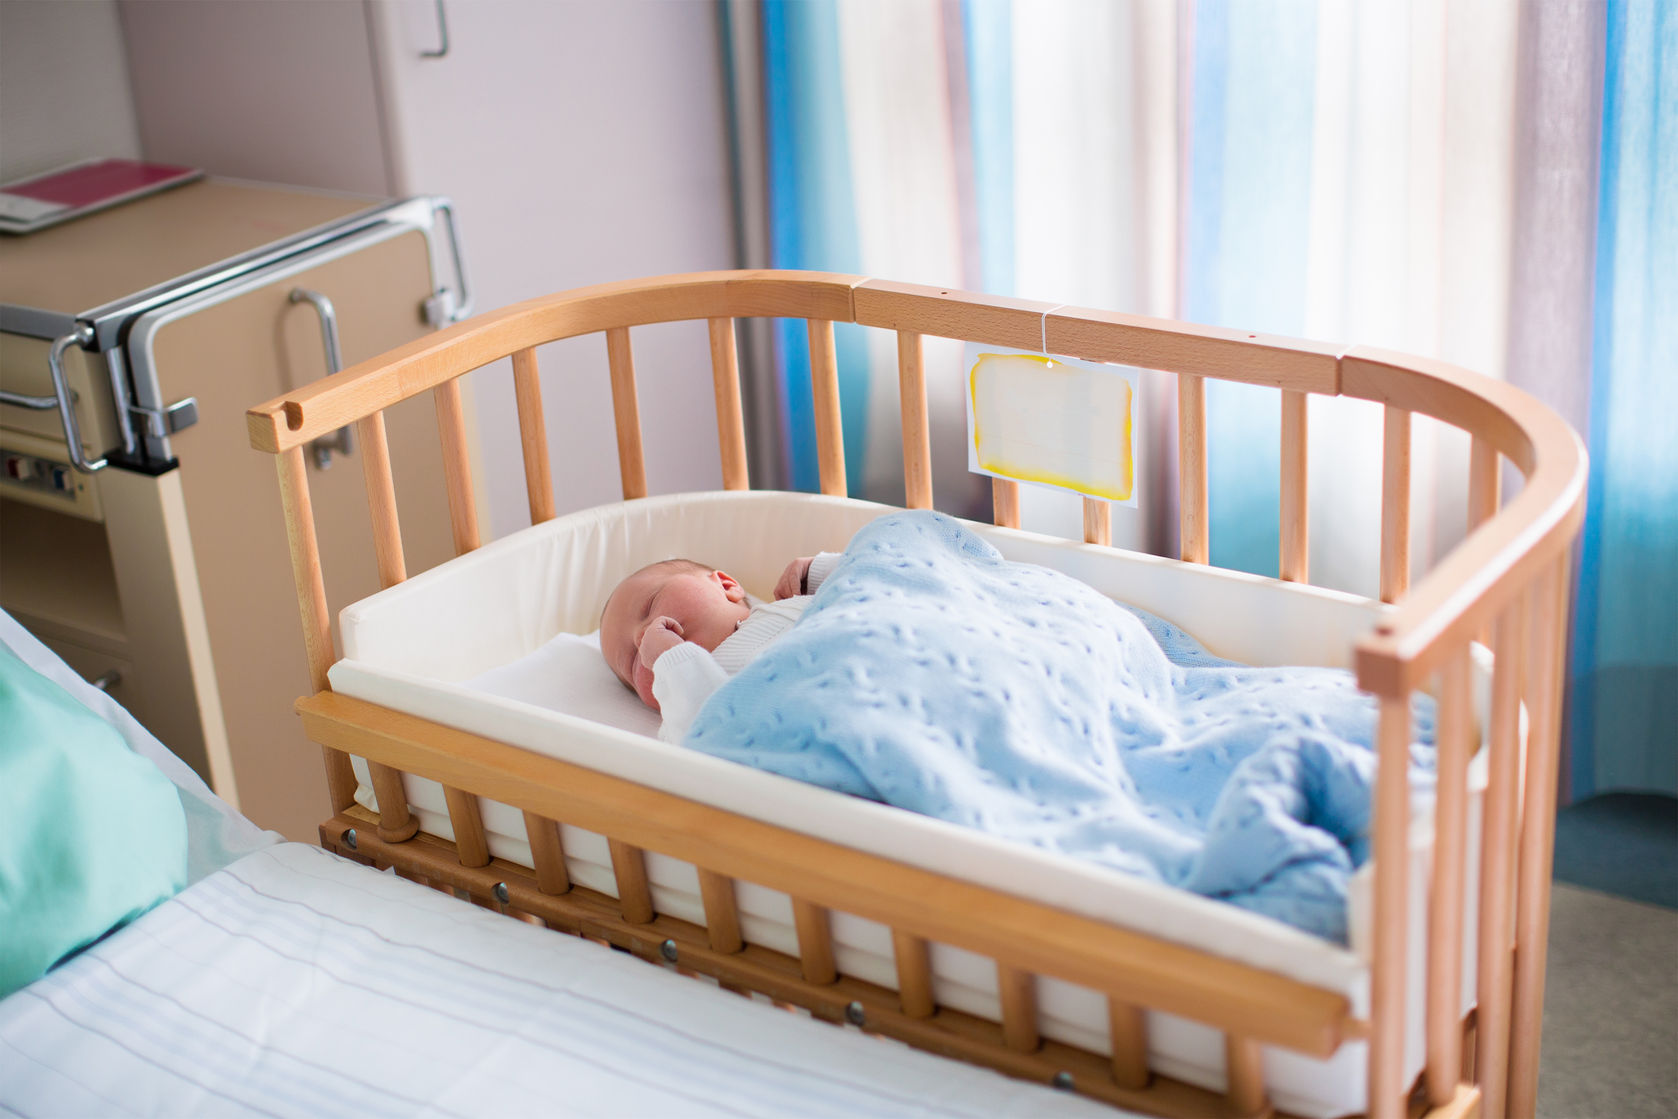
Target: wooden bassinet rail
[(1508, 580)]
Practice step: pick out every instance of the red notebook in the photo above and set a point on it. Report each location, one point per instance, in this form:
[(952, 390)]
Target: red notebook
[(82, 188)]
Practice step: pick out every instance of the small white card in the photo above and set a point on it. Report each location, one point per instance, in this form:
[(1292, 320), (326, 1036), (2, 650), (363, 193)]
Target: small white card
[(1058, 422)]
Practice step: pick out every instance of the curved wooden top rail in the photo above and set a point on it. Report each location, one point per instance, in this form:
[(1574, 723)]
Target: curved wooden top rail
[(1456, 599)]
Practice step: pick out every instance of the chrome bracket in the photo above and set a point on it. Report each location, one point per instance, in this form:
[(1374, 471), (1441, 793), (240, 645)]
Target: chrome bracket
[(163, 422), (66, 401), (341, 441)]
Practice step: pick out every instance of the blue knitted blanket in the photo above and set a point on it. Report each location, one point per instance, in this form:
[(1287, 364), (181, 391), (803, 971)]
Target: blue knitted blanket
[(931, 674)]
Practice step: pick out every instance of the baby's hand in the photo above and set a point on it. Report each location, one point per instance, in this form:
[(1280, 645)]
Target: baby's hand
[(792, 579), (660, 637)]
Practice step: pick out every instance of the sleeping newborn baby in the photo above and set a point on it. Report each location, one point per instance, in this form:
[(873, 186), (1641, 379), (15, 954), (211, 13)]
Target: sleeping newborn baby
[(676, 630), (932, 674)]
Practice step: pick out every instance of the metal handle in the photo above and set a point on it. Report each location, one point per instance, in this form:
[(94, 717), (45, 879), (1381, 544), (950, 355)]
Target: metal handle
[(341, 441), (445, 306), (442, 33), (65, 401)]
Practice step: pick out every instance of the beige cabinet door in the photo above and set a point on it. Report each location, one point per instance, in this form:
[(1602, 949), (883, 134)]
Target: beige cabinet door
[(241, 352)]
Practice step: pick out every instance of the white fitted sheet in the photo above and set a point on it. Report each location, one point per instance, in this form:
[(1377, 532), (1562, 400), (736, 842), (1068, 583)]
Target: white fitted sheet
[(296, 983), (443, 644)]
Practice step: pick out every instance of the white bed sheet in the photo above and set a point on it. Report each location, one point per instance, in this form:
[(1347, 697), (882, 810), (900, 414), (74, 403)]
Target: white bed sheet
[(296, 983)]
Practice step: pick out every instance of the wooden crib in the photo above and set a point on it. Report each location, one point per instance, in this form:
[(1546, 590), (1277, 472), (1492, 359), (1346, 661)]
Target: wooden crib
[(1506, 584)]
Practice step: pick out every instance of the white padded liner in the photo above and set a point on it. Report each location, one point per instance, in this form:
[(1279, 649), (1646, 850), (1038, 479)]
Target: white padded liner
[(417, 646)]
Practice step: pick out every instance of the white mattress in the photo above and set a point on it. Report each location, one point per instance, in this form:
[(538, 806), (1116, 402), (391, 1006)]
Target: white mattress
[(492, 643), (296, 983)]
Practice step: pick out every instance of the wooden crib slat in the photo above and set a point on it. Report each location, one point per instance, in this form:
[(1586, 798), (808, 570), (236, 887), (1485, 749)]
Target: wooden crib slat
[(457, 468), (722, 912), (1444, 958), (914, 974), (547, 853), (1017, 989), (1244, 1070), (533, 436), (1484, 484), (1537, 848), (1195, 546), (824, 388), (1295, 558), (1387, 1089), (815, 941), (917, 449), (311, 605), (468, 822), (1395, 505), (1098, 521), (381, 498), (1005, 503), (731, 425), (626, 413), (396, 823), (1495, 953), (629, 867), (1127, 1027)]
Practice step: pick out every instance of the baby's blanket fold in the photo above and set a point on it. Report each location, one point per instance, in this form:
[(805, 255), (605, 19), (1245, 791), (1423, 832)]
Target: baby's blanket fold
[(931, 674)]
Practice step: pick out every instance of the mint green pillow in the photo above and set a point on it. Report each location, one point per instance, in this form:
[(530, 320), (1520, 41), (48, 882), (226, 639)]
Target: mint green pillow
[(91, 834)]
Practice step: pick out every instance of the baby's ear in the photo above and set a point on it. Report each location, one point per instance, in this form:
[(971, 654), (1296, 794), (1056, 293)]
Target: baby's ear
[(730, 587)]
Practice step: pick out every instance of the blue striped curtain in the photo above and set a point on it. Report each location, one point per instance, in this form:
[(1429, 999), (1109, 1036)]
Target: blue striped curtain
[(1625, 664)]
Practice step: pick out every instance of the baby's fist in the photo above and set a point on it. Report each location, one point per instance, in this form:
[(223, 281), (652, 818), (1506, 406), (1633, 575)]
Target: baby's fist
[(658, 638), (792, 579)]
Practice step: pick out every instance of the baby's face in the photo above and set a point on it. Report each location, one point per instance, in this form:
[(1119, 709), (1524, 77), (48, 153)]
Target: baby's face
[(707, 605)]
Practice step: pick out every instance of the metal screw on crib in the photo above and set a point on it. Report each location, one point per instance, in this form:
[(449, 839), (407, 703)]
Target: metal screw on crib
[(349, 839), (1063, 1081), (855, 1014), (668, 950), (501, 894)]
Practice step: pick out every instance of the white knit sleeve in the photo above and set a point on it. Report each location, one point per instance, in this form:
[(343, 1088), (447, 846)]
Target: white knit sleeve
[(683, 679), (820, 568)]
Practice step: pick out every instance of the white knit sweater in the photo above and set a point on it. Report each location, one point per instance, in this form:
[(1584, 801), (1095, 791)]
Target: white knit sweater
[(685, 675)]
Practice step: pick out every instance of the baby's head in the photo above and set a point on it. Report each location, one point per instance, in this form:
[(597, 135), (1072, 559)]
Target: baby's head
[(706, 603)]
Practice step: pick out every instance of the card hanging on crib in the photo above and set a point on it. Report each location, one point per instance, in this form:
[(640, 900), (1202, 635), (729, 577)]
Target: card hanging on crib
[(1051, 421)]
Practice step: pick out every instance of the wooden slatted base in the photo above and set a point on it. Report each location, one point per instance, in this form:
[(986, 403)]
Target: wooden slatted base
[(588, 913)]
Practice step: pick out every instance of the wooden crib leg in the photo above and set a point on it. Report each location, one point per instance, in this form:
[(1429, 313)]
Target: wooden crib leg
[(722, 914), (468, 822), (815, 941), (1018, 990), (547, 853), (635, 897)]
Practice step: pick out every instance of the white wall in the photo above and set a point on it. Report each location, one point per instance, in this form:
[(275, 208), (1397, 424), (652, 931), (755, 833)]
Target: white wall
[(582, 143), (64, 92)]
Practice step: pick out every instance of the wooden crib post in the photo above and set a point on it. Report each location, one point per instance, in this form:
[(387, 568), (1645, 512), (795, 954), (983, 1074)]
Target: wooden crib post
[(1098, 521), (815, 941), (1538, 811), (1484, 490), (466, 818), (722, 912), (629, 867), (1497, 864), (311, 605), (1295, 529), (547, 854), (1244, 1070), (1127, 1029), (1005, 503), (914, 974), (1018, 991), (626, 412), (396, 823), (824, 388), (1444, 957), (1194, 545), (1395, 505), (917, 449), (1387, 1089), (457, 467), (533, 436), (731, 426)]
